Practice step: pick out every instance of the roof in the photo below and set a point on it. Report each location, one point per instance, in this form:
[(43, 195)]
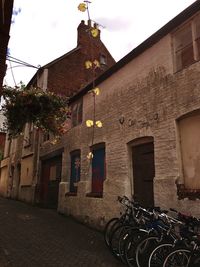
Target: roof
[(166, 29)]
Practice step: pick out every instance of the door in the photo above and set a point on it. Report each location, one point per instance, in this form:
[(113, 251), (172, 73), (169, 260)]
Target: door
[(143, 173), (98, 170), (49, 183)]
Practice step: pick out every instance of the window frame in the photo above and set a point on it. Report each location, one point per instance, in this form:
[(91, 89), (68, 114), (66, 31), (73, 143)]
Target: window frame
[(196, 50)]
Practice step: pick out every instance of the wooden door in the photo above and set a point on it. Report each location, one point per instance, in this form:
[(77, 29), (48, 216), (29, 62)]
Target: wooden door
[(49, 183), (143, 173)]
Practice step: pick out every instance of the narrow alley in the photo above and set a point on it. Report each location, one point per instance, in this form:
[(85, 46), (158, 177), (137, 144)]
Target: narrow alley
[(35, 237)]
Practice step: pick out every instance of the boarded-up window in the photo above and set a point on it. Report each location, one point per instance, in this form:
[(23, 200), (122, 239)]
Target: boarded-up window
[(183, 45), (75, 170), (186, 43), (197, 36), (98, 170), (189, 129)]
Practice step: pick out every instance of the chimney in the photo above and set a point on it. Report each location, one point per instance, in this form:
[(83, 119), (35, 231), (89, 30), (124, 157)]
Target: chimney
[(84, 33)]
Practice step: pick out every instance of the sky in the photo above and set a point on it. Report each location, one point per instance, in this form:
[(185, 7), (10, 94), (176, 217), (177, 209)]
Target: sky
[(43, 30)]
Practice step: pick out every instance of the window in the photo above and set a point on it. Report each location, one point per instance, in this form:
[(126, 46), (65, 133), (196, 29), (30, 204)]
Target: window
[(46, 136), (7, 146), (28, 135), (188, 185), (98, 171), (76, 110), (197, 37), (186, 43), (189, 129), (75, 171), (103, 61)]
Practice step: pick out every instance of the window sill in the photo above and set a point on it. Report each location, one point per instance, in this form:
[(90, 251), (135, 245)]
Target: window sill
[(71, 194), (93, 194), (28, 145), (191, 194)]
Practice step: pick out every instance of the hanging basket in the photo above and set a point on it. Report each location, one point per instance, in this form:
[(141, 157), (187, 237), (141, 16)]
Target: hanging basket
[(46, 110)]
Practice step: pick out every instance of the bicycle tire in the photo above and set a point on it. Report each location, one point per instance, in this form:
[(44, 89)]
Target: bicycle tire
[(109, 228), (178, 258), (115, 237), (123, 239), (144, 249), (131, 245), (158, 255)]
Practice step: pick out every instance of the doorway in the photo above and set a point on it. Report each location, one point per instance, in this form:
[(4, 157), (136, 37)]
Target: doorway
[(143, 173), (49, 183)]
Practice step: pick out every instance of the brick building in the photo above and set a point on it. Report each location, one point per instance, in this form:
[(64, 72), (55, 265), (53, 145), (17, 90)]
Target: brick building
[(5, 21), (25, 173), (149, 143), (149, 104)]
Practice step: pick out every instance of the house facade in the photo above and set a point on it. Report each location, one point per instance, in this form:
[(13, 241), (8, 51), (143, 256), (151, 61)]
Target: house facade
[(25, 173)]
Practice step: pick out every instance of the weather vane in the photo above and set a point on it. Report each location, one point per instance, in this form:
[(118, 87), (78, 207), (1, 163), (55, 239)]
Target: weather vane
[(87, 8)]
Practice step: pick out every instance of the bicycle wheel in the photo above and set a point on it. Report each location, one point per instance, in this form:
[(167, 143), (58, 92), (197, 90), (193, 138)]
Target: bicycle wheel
[(178, 258), (131, 245), (144, 249), (111, 224), (123, 239), (115, 237), (158, 255)]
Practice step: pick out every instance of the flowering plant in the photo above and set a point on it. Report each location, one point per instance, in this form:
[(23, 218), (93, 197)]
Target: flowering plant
[(46, 110)]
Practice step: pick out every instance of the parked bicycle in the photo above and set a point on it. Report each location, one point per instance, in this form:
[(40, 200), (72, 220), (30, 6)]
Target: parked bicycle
[(150, 237)]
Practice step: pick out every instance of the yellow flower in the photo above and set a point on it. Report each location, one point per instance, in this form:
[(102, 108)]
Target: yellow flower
[(94, 32), (96, 91), (96, 63), (90, 155), (55, 141), (88, 64), (99, 124), (89, 123), (82, 7)]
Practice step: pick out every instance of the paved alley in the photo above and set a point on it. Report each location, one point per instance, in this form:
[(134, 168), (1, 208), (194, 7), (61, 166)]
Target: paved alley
[(35, 237)]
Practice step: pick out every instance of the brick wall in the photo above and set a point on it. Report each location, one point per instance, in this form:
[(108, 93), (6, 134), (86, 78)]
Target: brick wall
[(5, 21), (69, 74), (144, 98)]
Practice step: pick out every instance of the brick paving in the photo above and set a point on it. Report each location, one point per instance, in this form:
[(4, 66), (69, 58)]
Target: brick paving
[(35, 237)]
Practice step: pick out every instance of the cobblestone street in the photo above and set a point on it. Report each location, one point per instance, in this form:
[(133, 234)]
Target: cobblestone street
[(35, 237)]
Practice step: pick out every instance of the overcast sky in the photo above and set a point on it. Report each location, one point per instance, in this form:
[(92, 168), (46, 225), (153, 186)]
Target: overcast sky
[(43, 30)]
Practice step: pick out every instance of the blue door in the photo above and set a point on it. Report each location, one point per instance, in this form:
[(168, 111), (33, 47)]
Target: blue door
[(98, 170)]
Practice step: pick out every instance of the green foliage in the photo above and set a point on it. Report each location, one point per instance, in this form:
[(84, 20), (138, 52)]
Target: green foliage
[(48, 111)]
